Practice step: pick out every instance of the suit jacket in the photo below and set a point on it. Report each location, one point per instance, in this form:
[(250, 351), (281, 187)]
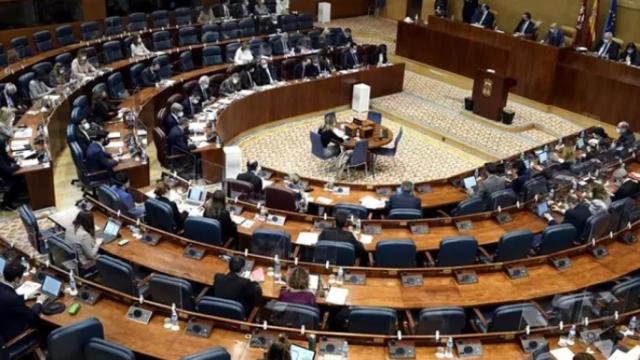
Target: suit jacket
[(634, 59), (612, 52), (101, 112), (469, 9), (627, 189), (279, 46), (170, 122), (176, 141), (97, 159), (204, 94), (252, 178), (233, 287), (190, 109), (228, 87), (488, 20), (403, 201), (228, 228), (261, 77), (309, 71), (6, 100), (577, 217), (349, 60), (246, 80), (7, 166), (149, 77), (528, 30), (490, 185), (341, 235), (16, 316), (555, 39), (626, 139), (82, 138)]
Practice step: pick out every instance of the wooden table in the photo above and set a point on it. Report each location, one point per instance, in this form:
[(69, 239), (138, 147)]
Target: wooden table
[(381, 136)]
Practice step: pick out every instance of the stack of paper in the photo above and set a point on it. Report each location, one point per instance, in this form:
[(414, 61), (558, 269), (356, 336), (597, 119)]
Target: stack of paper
[(337, 296), (25, 133), (562, 354), (237, 219), (366, 239), (323, 200), (372, 203), (307, 238)]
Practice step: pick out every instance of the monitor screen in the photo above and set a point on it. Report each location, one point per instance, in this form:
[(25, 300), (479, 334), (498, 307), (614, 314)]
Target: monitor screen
[(3, 262), (543, 157), (300, 353), (542, 208), (469, 182), (112, 227), (51, 286), (580, 143), (196, 194)]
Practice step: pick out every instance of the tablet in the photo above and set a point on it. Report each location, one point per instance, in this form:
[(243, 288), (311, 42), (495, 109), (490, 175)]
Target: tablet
[(301, 353), (469, 182), (51, 286), (542, 208)]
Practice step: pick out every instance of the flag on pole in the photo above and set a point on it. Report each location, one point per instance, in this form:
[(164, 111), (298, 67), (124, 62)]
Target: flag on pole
[(593, 22), (582, 29), (610, 23)]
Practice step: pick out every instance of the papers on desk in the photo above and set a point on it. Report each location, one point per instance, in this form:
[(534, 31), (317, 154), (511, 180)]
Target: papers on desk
[(246, 92), (114, 135), (371, 202), (366, 239), (307, 238), (266, 183), (23, 153), (339, 132), (237, 219), (247, 224), (33, 112), (323, 200), (29, 162), (314, 282), (25, 133), (142, 132), (562, 353), (225, 101), (337, 296), (619, 355), (28, 289), (199, 138), (634, 353), (115, 144), (197, 126)]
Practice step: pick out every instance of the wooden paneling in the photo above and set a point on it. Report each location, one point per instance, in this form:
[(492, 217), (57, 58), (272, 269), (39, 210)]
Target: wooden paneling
[(339, 8), (395, 9)]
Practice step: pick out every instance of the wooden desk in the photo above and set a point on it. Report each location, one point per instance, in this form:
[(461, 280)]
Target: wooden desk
[(375, 141)]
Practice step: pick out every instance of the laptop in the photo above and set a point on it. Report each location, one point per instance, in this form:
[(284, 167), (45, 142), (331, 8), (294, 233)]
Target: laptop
[(195, 196), (543, 156), (470, 182), (542, 208), (51, 287), (580, 143), (111, 231), (301, 353), (3, 262)]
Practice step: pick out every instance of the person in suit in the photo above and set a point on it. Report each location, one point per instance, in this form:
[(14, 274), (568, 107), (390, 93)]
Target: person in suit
[(304, 69), (81, 129), (97, 159), (345, 38), (280, 44), (555, 36), (576, 216), (233, 286), (260, 9), (317, 66), (193, 104), (627, 187), (230, 85), (492, 183), (380, 55), (350, 58), (9, 97), (151, 75), (405, 199), (178, 138), (38, 87), (8, 167), (606, 48), (468, 10), (176, 112), (16, 316), (265, 73), (251, 177), (483, 17), (215, 208), (626, 137), (630, 55), (326, 61), (161, 192), (101, 110), (339, 234), (120, 187), (271, 26), (526, 28), (522, 175), (82, 236), (203, 89), (440, 8), (246, 77)]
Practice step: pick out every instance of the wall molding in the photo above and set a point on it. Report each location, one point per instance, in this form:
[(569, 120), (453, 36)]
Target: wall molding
[(629, 4)]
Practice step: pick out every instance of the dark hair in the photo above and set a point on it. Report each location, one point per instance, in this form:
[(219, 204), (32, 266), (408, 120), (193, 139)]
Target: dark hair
[(236, 264), (216, 206), (279, 350), (122, 178), (491, 168), (520, 167), (583, 356), (341, 219), (528, 15), (252, 165), (82, 52), (84, 219), (298, 278), (13, 270)]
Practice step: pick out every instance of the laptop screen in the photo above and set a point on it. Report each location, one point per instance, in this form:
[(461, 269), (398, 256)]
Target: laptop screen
[(300, 353), (469, 182), (542, 208), (196, 194), (112, 227), (51, 286), (543, 157)]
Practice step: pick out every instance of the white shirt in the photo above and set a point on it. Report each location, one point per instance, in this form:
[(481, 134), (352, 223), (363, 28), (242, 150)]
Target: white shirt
[(79, 71), (282, 7), (242, 56), (139, 50)]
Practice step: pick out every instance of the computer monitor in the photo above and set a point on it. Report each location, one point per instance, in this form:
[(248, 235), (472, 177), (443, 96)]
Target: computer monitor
[(542, 208), (196, 195), (301, 353), (51, 286), (469, 182), (112, 227)]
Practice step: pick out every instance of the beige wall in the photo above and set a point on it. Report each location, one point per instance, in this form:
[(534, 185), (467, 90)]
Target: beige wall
[(396, 9)]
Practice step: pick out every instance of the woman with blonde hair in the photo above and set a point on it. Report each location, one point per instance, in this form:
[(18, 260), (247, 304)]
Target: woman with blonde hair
[(600, 199), (297, 290), (330, 141)]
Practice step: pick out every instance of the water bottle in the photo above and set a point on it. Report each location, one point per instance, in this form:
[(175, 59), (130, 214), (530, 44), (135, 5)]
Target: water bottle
[(340, 279), (277, 269), (358, 226), (345, 349), (174, 317), (26, 266), (571, 338), (448, 353), (633, 324), (73, 288)]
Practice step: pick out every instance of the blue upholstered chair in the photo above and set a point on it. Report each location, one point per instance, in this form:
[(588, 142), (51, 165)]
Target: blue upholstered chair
[(43, 40), (21, 46), (115, 83), (359, 157), (596, 226), (513, 245), (137, 21), (230, 51), (212, 55), (370, 320), (270, 242), (404, 214), (100, 349), (69, 342), (89, 30), (507, 318), (188, 36), (225, 308), (159, 215), (294, 315), (183, 16), (203, 230), (162, 40), (117, 274), (159, 19), (395, 253), (216, 353), (169, 290), (210, 37), (113, 26), (502, 199), (446, 320), (112, 51), (472, 205), (185, 61), (557, 238), (457, 251), (335, 252), (65, 36), (355, 210)]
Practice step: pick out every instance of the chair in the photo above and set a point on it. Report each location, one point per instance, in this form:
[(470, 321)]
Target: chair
[(137, 21), (294, 39), (288, 23), (358, 157), (229, 30), (182, 16), (314, 36), (248, 27), (216, 353), (89, 31), (169, 290), (117, 275), (62, 254), (573, 308), (355, 210), (212, 55), (316, 147), (596, 226), (204, 230), (243, 190), (210, 37), (43, 41), (370, 320), (21, 46), (395, 253), (305, 22), (628, 292), (187, 36), (215, 28), (162, 40), (294, 315), (457, 251), (113, 26), (159, 215), (110, 198), (65, 36), (288, 68), (337, 253), (557, 238), (470, 206), (185, 61), (507, 318), (126, 46), (64, 59), (165, 66), (112, 51), (270, 242), (334, 35), (502, 199), (44, 67), (36, 238), (89, 181), (135, 73), (215, 81), (404, 214), (533, 187), (280, 198), (160, 140), (99, 349), (70, 132), (3, 57), (116, 86), (388, 151), (376, 117), (92, 56), (230, 51), (225, 308), (68, 342), (513, 245), (160, 19), (446, 320), (569, 34), (257, 46), (620, 211), (23, 84)]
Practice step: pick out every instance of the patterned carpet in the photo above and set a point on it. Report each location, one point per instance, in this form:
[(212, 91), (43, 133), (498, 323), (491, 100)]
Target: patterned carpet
[(13, 232), (419, 156)]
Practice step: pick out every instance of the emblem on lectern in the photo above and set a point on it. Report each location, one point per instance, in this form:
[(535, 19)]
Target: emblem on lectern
[(487, 87)]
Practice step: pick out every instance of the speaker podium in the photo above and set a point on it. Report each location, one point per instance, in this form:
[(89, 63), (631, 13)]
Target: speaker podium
[(490, 92)]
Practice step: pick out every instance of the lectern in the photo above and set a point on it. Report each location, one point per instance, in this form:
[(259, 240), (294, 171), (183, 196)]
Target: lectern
[(490, 91)]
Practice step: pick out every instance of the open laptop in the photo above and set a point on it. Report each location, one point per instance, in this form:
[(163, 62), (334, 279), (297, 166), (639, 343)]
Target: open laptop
[(580, 143), (301, 353), (542, 208), (195, 196), (110, 231), (470, 183), (51, 287), (543, 157)]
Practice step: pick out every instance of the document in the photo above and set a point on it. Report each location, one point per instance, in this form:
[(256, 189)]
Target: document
[(307, 238), (337, 296), (562, 354)]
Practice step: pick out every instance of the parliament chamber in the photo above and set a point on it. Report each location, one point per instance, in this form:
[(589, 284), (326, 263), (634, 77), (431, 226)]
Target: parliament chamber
[(308, 179)]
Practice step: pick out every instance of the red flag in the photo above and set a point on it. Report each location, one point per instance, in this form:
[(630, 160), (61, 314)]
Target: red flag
[(593, 22), (583, 32)]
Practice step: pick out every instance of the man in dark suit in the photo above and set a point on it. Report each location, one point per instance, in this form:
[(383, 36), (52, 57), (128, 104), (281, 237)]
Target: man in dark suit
[(8, 166), (526, 28), (151, 75), (628, 187), (178, 139), (251, 177), (233, 286), (176, 112), (492, 183), (626, 138), (576, 216), (555, 36), (280, 44), (350, 58), (193, 104), (222, 10), (440, 8), (265, 73), (339, 234), (97, 159), (405, 199), (203, 89), (345, 38), (606, 48), (230, 85), (468, 10), (16, 316), (483, 17), (304, 69)]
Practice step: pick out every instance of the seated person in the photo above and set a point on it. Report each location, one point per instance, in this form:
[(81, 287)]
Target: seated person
[(630, 55), (483, 17), (265, 74), (350, 58), (304, 45), (440, 8), (600, 199), (330, 141), (120, 186), (81, 68), (97, 159), (203, 89), (304, 69), (233, 286), (246, 77), (271, 26), (138, 48), (326, 61), (16, 316), (522, 175), (280, 44), (626, 137), (555, 36), (492, 183), (339, 234), (251, 177), (206, 17), (58, 77), (7, 118), (82, 236), (9, 97), (161, 192), (151, 75), (81, 130), (176, 112), (101, 109), (215, 208), (380, 55), (230, 85), (626, 186), (345, 38), (405, 199), (260, 9), (526, 28), (8, 167), (38, 87), (243, 55), (178, 142), (576, 215), (606, 48), (281, 349), (297, 290), (193, 104)]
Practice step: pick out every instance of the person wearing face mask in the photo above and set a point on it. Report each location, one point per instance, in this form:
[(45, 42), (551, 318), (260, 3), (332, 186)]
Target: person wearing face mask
[(101, 110), (243, 55), (120, 187), (304, 69), (326, 61), (261, 9), (483, 17), (230, 85), (555, 36), (178, 143), (58, 76), (271, 26), (193, 104), (37, 86), (626, 138), (626, 186), (246, 77), (345, 38), (350, 58), (138, 48), (630, 55), (606, 48), (151, 75), (203, 89), (176, 112), (318, 67), (81, 130), (8, 167), (9, 97), (81, 68), (265, 74), (98, 159)]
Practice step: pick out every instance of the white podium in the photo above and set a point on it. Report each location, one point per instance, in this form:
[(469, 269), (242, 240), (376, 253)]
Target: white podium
[(360, 99), (324, 12), (232, 161)]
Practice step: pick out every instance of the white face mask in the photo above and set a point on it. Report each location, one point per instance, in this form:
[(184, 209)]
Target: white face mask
[(180, 114), (235, 81), (264, 66), (194, 100), (86, 126)]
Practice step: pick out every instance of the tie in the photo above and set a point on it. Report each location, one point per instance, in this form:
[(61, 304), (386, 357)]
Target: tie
[(524, 27), (483, 17), (9, 100), (226, 10), (355, 59), (604, 49), (304, 68), (284, 46)]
